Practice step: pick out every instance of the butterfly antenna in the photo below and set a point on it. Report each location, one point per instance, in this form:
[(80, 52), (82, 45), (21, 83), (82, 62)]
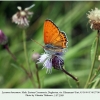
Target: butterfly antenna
[(38, 43)]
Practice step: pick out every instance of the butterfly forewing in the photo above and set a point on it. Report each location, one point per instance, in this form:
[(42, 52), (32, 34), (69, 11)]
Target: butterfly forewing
[(50, 31), (53, 36)]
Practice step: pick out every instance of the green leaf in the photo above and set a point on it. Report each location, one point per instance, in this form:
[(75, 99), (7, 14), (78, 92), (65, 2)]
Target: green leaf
[(97, 77), (96, 81), (93, 48)]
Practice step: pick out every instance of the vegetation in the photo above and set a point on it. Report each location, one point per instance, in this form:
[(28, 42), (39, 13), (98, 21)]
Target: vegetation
[(70, 17)]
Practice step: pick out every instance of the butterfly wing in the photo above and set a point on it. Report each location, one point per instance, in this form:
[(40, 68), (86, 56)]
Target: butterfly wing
[(50, 31), (53, 36), (61, 40)]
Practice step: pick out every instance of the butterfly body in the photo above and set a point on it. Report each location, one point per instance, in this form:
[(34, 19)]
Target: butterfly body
[(49, 48), (54, 39)]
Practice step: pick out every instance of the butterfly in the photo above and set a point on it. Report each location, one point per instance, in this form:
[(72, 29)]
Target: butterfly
[(55, 42), (54, 39)]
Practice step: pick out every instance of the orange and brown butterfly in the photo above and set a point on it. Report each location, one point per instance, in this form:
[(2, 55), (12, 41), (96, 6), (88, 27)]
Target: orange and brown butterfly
[(54, 39)]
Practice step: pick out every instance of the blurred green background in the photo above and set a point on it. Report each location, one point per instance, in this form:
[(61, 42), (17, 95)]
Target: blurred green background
[(69, 16)]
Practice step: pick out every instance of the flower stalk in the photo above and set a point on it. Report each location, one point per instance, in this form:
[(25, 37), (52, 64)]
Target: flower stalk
[(25, 50), (71, 76), (35, 58), (16, 60), (94, 59), (37, 74), (12, 55)]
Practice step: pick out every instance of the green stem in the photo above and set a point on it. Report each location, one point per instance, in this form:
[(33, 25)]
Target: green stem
[(24, 69), (69, 82), (26, 57), (37, 74), (75, 78), (97, 71), (12, 55), (25, 50), (93, 63)]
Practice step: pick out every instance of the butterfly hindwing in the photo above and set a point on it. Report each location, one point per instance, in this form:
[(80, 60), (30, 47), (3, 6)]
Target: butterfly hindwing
[(60, 40), (64, 39)]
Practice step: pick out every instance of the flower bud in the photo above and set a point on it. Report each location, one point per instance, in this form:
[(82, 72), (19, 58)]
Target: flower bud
[(35, 57)]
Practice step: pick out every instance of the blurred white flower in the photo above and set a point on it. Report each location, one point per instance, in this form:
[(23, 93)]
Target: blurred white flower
[(45, 59), (94, 19), (21, 18)]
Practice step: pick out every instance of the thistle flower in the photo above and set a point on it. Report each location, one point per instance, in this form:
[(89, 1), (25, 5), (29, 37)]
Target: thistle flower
[(50, 61), (21, 18), (94, 19), (3, 38), (57, 62)]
